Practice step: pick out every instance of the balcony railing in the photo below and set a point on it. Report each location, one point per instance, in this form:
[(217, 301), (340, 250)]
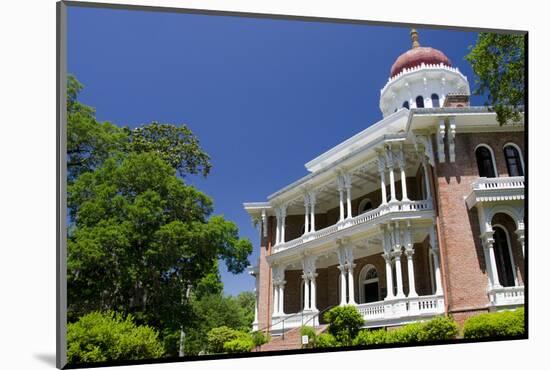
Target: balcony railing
[(364, 218), (494, 189), (507, 296)]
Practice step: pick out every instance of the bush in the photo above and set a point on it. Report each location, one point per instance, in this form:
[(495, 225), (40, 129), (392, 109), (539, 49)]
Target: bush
[(326, 340), (344, 323), (367, 337), (108, 336), (217, 337), (439, 328), (259, 338), (409, 333), (496, 324), (312, 335), (243, 343)]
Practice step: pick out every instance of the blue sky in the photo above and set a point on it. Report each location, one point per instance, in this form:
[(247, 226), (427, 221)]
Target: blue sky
[(263, 96)]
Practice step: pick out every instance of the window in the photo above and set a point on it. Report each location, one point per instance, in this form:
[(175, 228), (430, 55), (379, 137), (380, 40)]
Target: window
[(420, 101), (503, 257), (485, 163), (513, 160), (435, 100), (368, 285), (364, 206), (406, 104)]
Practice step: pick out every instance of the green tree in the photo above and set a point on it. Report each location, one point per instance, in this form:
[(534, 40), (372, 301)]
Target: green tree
[(108, 336), (344, 323), (498, 60)]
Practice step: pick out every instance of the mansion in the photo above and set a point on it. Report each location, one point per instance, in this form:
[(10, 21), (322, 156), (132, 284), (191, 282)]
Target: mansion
[(418, 215)]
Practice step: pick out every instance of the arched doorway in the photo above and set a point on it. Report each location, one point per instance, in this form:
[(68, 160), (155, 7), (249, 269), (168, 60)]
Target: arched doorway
[(369, 289)]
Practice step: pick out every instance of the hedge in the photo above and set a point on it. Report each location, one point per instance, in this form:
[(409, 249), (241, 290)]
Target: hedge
[(495, 324)]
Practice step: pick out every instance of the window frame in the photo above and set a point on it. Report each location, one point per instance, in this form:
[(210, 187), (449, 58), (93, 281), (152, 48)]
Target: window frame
[(492, 158), (520, 154)]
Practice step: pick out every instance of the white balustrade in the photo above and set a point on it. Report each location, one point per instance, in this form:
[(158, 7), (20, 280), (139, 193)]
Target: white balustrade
[(485, 183), (362, 219), (401, 308), (507, 296)]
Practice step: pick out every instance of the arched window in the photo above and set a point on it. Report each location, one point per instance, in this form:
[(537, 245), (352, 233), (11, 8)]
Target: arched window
[(485, 162), (513, 160), (435, 100), (406, 104), (364, 206), (503, 257), (420, 101), (368, 285)]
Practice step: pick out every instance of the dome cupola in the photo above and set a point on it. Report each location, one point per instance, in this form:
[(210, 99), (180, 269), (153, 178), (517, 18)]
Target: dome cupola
[(421, 77)]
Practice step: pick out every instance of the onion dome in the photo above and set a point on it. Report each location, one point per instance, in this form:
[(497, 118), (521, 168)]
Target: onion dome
[(418, 55)]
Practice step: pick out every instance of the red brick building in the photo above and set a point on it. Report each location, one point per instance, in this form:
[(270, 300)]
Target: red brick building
[(418, 215)]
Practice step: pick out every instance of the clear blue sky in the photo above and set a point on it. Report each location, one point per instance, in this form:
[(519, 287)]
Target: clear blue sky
[(263, 96)]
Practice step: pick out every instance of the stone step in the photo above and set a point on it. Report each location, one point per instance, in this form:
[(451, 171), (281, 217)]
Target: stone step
[(292, 340)]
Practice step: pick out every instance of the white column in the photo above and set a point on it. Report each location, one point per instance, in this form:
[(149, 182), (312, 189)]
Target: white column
[(389, 276), (351, 288), (392, 185), (306, 293), (348, 194), (403, 180), (341, 191), (283, 226), (488, 243), (383, 186), (342, 269), (275, 299), (278, 230), (426, 178), (306, 214), (282, 298), (520, 232), (437, 272), (313, 302), (312, 202), (435, 254), (398, 273), (410, 270)]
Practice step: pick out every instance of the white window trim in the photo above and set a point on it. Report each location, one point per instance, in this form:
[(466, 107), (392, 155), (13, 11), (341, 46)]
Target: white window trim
[(492, 156), (363, 281)]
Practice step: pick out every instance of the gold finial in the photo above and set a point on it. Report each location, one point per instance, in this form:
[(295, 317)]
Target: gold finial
[(414, 38)]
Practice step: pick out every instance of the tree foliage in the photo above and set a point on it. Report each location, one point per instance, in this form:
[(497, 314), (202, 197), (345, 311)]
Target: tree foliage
[(498, 60), (344, 323), (108, 336), (139, 238)]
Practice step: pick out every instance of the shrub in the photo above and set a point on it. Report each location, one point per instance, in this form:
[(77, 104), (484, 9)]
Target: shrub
[(217, 337), (326, 340), (439, 328), (366, 337), (344, 323), (409, 333), (243, 343), (312, 335), (108, 336), (496, 324), (259, 338)]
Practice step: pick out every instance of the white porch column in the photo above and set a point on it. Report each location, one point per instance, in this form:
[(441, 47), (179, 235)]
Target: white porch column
[(351, 288), (437, 267), (382, 171), (282, 298), (341, 191), (275, 299), (398, 273), (392, 184), (347, 183), (306, 293), (488, 242), (520, 232), (283, 226), (342, 269), (389, 276), (256, 307), (278, 230), (313, 303), (312, 202), (306, 214), (410, 270), (402, 165), (426, 178)]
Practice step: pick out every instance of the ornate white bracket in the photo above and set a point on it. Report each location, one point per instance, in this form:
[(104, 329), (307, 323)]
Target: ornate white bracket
[(451, 138), (428, 150), (440, 134)]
